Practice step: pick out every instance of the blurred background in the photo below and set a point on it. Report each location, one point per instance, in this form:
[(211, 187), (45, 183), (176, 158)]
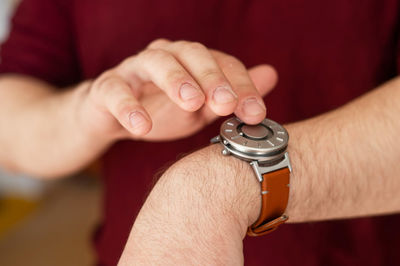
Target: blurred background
[(46, 223)]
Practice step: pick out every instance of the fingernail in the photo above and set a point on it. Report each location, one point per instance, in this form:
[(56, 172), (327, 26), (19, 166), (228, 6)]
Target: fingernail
[(137, 120), (188, 92), (224, 95), (252, 107)]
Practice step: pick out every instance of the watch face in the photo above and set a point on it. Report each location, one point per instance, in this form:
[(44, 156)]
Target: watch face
[(265, 141)]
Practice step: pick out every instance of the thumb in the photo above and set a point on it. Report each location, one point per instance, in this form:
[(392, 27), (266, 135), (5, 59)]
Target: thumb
[(264, 77)]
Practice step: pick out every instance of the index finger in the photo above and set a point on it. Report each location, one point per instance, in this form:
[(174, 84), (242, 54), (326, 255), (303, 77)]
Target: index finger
[(251, 108)]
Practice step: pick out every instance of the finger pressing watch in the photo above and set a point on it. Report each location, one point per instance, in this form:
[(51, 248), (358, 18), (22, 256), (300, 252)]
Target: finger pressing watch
[(264, 147)]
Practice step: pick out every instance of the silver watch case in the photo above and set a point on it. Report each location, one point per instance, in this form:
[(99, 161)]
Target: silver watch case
[(263, 145)]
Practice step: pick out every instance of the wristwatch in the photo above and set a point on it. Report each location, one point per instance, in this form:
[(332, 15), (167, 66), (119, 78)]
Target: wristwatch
[(264, 147)]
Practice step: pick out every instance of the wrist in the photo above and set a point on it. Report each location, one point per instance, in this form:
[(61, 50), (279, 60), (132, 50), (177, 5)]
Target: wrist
[(228, 185), (201, 203), (298, 147), (245, 187), (236, 188)]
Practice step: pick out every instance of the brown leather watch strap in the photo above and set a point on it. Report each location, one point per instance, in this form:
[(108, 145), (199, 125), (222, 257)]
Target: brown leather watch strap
[(274, 199)]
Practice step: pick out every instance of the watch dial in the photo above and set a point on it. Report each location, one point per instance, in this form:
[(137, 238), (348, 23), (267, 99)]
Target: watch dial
[(265, 139)]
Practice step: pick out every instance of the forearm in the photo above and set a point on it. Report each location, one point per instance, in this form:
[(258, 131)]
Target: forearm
[(346, 161), (345, 164), (42, 133)]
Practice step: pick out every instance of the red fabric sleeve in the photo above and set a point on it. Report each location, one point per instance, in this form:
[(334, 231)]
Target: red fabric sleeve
[(41, 43)]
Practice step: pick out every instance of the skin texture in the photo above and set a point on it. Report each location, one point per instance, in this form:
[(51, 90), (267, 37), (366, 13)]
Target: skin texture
[(345, 164), (49, 134)]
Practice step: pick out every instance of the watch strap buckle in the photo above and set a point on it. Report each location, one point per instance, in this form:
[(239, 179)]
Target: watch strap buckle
[(266, 228)]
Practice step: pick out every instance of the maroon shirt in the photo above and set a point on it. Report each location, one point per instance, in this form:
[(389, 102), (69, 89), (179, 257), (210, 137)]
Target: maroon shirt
[(326, 53)]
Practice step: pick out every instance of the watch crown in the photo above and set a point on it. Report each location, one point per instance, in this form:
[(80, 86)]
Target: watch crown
[(215, 139)]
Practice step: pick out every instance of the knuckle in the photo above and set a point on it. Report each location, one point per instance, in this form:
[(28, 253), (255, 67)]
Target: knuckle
[(176, 77), (195, 46), (107, 83), (158, 43), (180, 43), (155, 55), (127, 62), (230, 61), (246, 87), (189, 47), (212, 74)]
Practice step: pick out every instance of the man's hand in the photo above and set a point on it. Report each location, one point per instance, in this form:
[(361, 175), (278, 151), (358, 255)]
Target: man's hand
[(168, 91), (180, 83)]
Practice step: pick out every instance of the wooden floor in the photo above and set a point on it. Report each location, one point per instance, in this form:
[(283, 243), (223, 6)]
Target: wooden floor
[(58, 231)]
